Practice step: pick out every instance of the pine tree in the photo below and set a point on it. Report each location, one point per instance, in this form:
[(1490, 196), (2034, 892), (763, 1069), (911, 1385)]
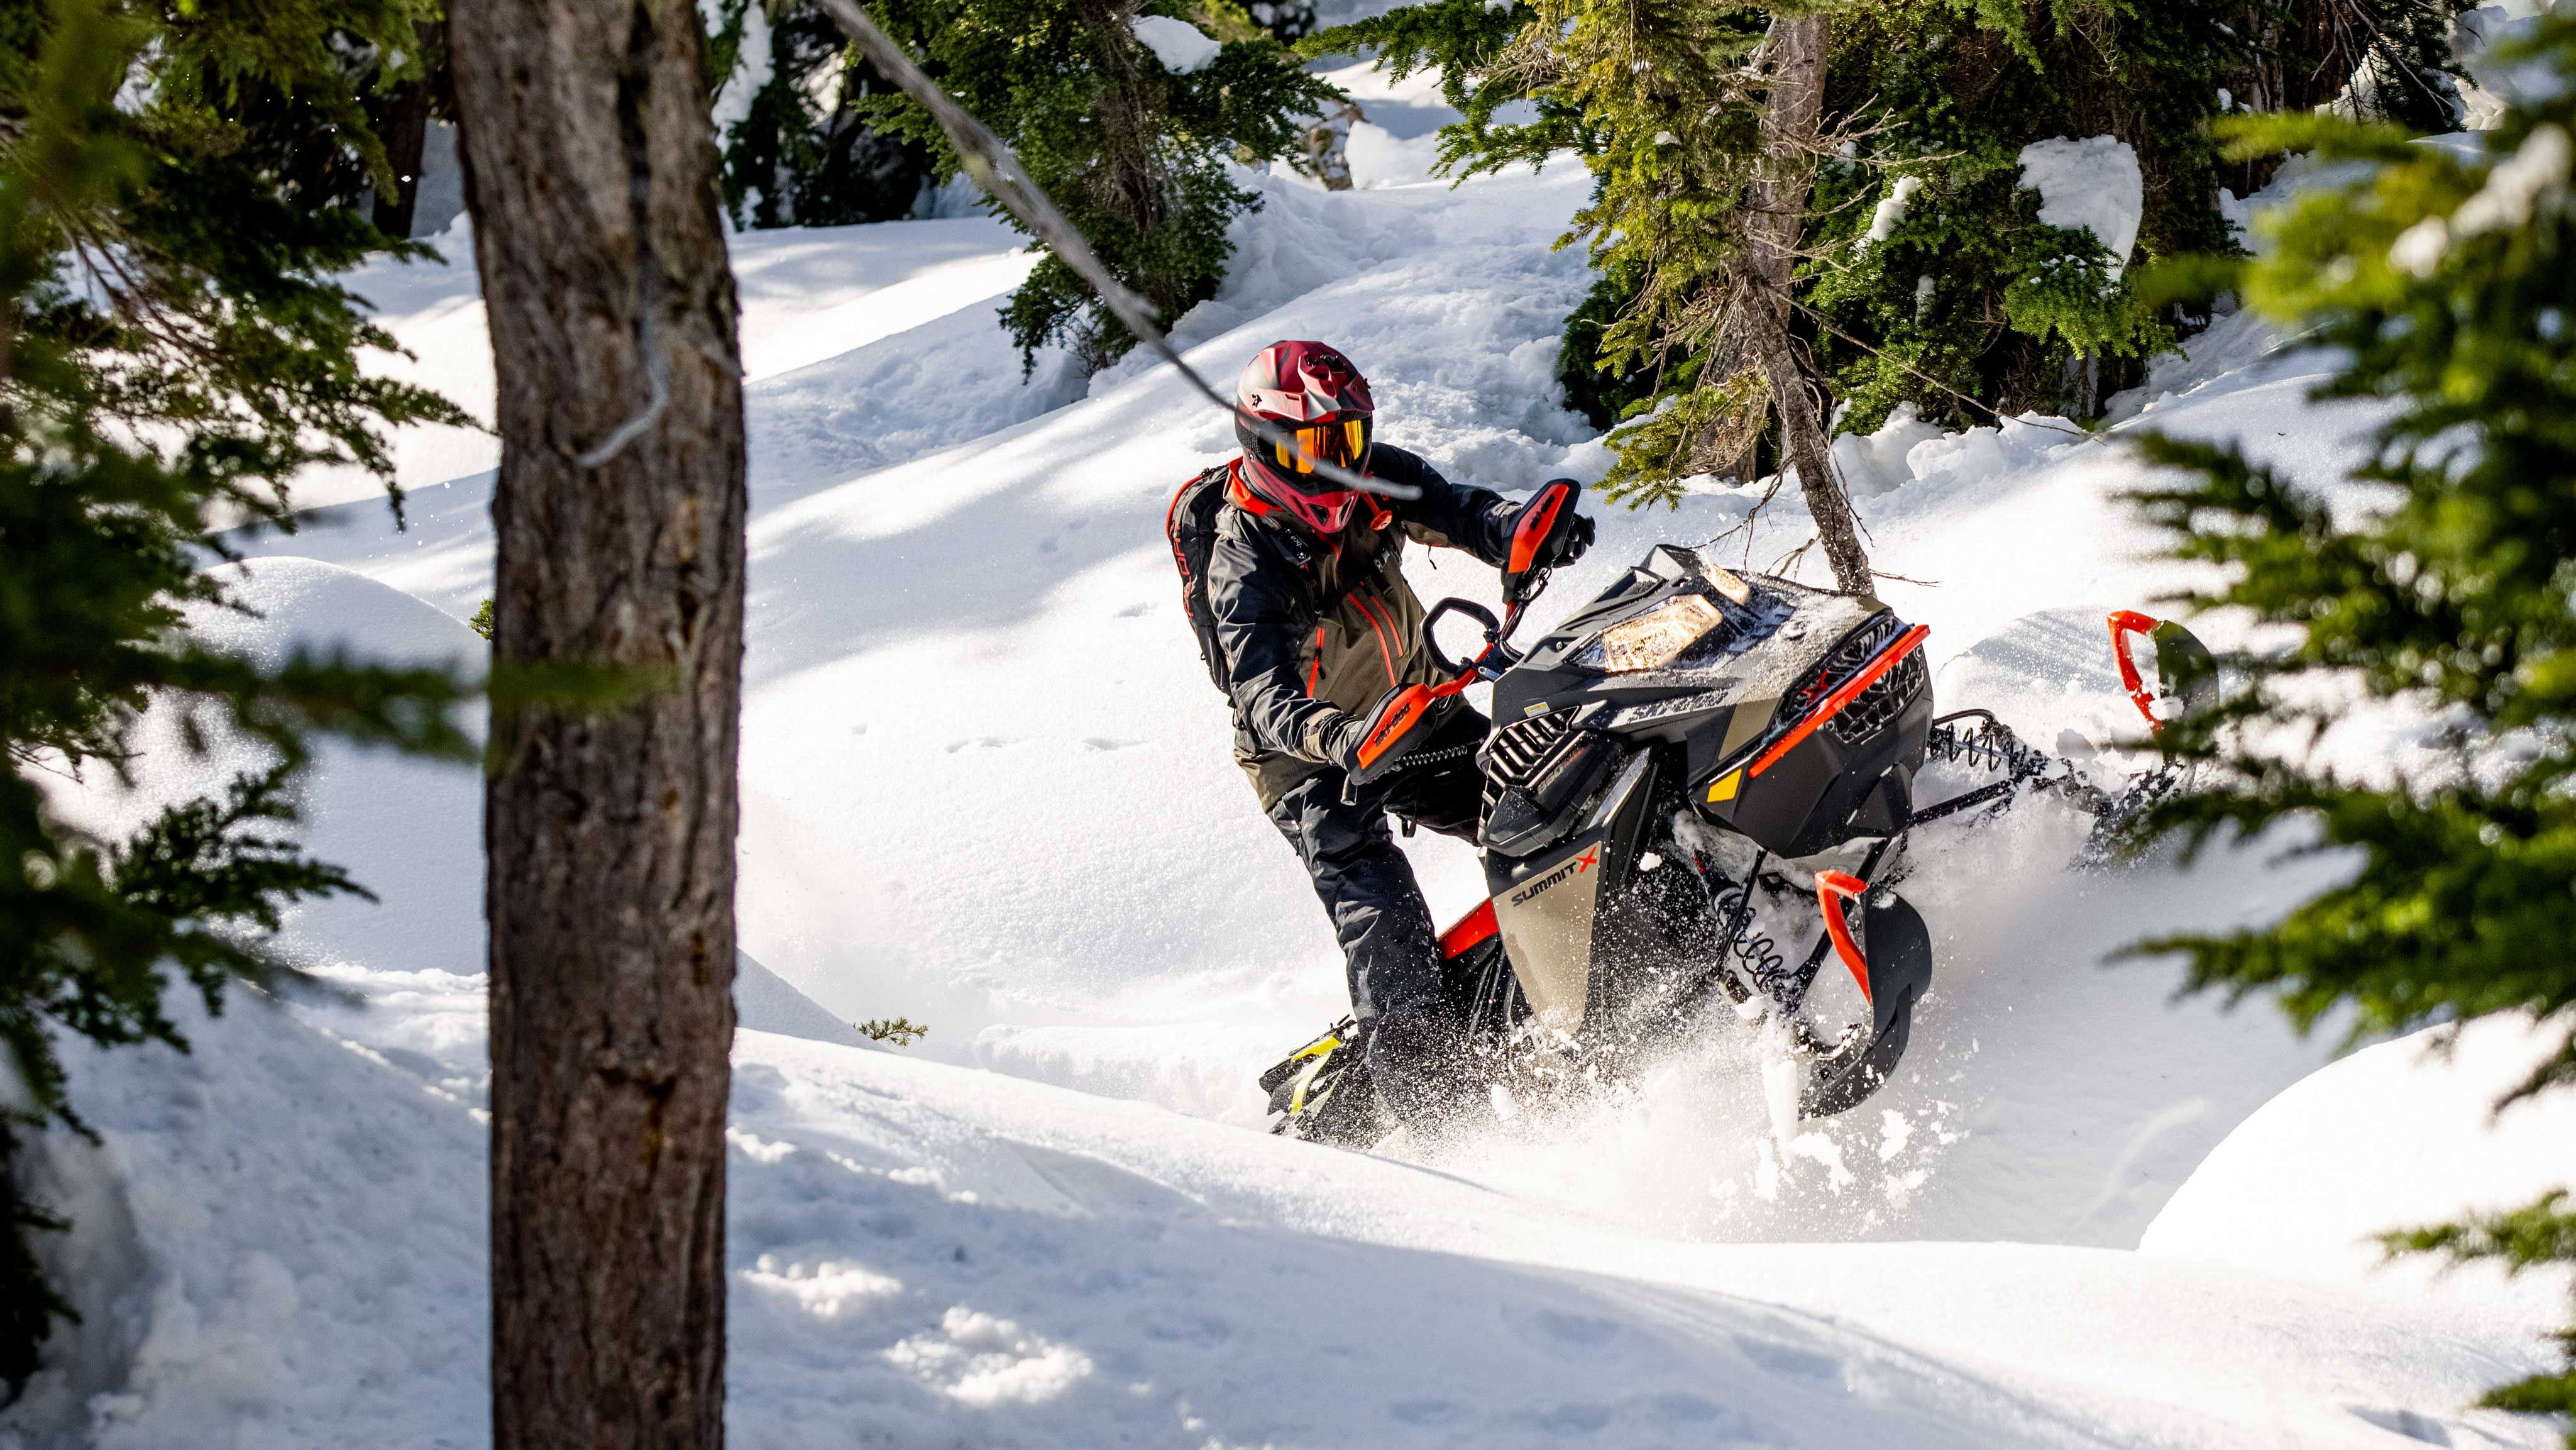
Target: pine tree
[(2446, 286), (805, 155), (173, 202), (1923, 273), (1135, 154), (1702, 121)]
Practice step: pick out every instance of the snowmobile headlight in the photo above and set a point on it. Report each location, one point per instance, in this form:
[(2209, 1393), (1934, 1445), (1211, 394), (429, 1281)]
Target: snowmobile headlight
[(1654, 638)]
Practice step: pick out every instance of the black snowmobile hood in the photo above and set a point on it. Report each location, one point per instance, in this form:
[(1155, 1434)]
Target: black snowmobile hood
[(1773, 638)]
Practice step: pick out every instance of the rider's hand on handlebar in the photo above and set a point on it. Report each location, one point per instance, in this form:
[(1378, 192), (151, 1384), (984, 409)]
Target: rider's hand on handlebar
[(1578, 537), (1567, 535), (1367, 747)]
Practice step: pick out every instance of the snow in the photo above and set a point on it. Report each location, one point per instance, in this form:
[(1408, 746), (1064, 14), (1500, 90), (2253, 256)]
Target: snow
[(809, 298), (986, 786), (2089, 185), (2397, 1135), (1397, 142), (1891, 209), (1180, 46), (1875, 463), (2512, 188), (927, 1253), (2492, 83)]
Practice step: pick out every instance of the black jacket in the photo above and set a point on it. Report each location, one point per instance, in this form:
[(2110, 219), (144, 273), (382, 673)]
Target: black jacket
[(1314, 629)]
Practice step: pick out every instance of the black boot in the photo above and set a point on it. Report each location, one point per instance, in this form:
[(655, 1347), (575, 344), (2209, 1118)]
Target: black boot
[(1424, 1072)]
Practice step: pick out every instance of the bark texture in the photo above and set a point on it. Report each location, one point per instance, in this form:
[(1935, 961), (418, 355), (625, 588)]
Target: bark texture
[(405, 131), (1758, 327), (609, 828)]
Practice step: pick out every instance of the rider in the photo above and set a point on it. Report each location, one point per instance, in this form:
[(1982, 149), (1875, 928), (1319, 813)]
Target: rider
[(1319, 630)]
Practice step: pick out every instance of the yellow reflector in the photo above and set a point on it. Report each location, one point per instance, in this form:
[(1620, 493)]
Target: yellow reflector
[(1724, 789)]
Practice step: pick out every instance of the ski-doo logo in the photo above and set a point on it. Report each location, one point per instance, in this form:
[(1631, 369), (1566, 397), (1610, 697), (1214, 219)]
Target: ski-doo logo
[(1558, 877)]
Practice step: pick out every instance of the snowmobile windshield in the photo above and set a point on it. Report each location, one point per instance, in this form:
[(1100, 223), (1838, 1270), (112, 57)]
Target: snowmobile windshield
[(1653, 639)]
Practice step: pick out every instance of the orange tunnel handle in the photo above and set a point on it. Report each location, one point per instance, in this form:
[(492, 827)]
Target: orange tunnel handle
[(2124, 623), (1833, 888)]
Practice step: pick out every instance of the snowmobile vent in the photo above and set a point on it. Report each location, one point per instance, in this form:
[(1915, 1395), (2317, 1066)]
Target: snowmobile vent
[(1536, 773), (1878, 706), (1517, 750), (1847, 660)]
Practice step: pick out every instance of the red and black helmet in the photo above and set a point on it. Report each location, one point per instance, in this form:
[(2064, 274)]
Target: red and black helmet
[(1311, 393)]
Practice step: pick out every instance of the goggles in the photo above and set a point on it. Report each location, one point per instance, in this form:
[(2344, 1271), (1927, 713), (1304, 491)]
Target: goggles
[(1342, 443)]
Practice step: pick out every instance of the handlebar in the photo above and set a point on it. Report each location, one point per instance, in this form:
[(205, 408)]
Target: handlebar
[(1496, 657), (1431, 634)]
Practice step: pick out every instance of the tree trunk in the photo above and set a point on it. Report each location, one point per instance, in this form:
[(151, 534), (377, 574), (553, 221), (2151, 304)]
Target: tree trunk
[(1777, 210), (405, 131), (1802, 439), (609, 825)]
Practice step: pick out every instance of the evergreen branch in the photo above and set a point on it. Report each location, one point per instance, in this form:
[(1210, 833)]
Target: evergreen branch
[(998, 171)]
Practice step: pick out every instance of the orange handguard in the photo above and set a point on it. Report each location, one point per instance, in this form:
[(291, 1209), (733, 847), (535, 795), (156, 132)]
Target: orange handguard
[(2126, 622), (1395, 720), (1534, 526)]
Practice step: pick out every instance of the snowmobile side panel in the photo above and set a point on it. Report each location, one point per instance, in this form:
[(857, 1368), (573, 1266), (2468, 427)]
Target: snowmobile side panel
[(1849, 774), (1468, 931), (1546, 919)]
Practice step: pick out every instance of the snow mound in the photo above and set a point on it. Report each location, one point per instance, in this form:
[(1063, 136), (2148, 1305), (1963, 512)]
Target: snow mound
[(2398, 1135), (945, 1256), (1875, 463), (764, 1002), (281, 1242), (292, 604), (2093, 185), (1181, 47)]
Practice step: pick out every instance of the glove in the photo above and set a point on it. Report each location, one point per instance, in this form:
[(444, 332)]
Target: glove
[(1578, 537)]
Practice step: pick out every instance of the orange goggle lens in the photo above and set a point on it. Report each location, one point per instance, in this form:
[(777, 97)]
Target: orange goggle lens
[(1341, 444)]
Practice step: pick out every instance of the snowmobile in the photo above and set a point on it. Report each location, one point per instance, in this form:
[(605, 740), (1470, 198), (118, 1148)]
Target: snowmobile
[(1685, 752)]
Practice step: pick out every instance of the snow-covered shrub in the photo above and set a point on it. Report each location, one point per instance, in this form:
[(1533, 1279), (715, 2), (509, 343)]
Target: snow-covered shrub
[(1132, 148), (797, 151)]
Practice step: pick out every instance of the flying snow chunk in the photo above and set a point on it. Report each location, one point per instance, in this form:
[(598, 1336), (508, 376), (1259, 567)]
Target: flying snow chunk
[(2089, 185), (1179, 45)]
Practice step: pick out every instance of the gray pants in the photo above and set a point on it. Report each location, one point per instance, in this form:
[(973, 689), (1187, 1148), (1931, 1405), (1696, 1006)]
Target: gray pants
[(1388, 941)]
